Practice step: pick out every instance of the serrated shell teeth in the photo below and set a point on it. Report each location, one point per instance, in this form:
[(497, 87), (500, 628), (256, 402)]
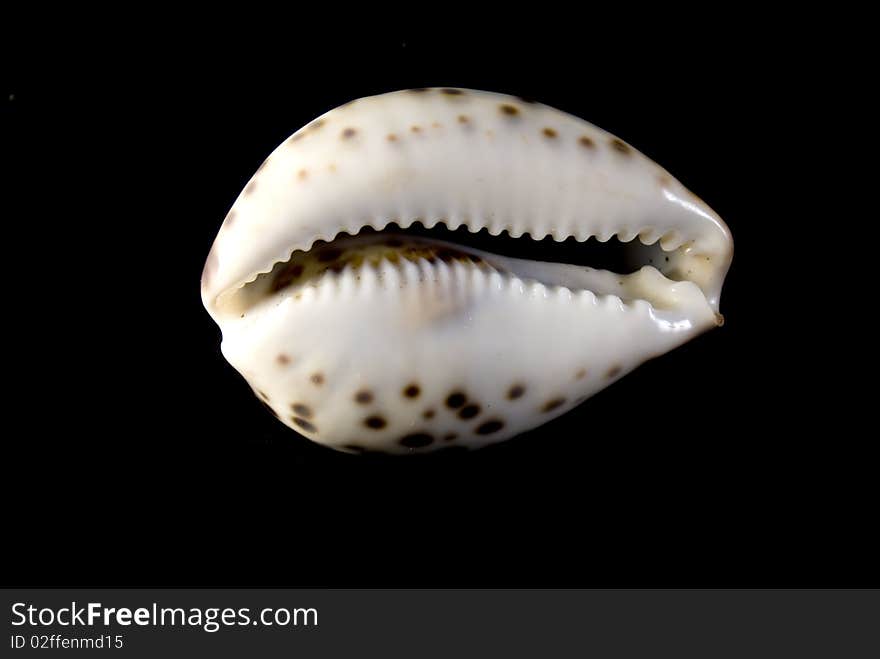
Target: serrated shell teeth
[(648, 236), (626, 234), (671, 240)]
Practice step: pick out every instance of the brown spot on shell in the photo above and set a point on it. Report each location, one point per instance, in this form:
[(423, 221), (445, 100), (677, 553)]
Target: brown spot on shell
[(230, 218), (418, 90), (455, 400), (348, 133), (581, 374), (516, 391), (416, 129), (317, 379), (450, 437), (303, 174), (296, 137), (305, 425), (552, 404), (614, 371), (487, 428), (469, 411), (549, 132), (463, 119), (452, 92), (263, 395), (250, 187), (620, 146), (508, 109), (302, 410), (375, 422), (283, 359), (417, 440), (586, 142), (411, 390), (316, 124), (392, 137), (363, 397), (428, 414)]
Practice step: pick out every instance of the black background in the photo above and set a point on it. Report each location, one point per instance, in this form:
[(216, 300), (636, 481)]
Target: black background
[(144, 459)]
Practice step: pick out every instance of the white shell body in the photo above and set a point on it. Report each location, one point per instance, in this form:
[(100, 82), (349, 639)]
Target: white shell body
[(430, 353)]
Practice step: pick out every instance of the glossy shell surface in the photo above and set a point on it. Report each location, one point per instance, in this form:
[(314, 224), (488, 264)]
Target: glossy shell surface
[(369, 341)]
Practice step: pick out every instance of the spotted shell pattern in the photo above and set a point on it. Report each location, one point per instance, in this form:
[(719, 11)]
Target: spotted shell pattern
[(365, 345)]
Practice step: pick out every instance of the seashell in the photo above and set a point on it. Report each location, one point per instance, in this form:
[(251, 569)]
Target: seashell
[(367, 339)]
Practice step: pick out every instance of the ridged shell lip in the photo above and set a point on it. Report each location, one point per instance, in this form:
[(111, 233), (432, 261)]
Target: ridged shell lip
[(676, 252), (348, 255)]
